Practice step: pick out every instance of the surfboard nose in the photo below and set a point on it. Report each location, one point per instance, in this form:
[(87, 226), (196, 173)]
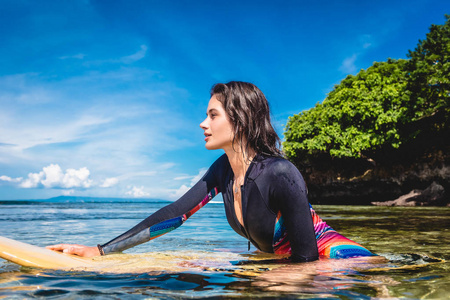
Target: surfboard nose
[(37, 257)]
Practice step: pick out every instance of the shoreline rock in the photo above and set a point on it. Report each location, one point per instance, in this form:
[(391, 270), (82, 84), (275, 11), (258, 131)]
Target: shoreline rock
[(431, 196), (396, 180)]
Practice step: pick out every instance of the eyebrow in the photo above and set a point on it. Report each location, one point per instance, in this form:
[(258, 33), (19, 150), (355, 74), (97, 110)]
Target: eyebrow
[(211, 110)]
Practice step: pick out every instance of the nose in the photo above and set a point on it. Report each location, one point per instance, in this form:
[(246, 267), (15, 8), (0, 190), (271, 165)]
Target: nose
[(204, 124)]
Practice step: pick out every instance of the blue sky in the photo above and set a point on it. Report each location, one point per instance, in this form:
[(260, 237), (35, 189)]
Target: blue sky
[(104, 98)]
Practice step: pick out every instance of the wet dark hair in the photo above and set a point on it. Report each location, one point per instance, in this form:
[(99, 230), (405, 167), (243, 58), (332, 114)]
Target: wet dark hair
[(248, 111)]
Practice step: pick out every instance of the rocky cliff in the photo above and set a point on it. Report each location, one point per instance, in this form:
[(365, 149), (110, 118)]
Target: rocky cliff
[(416, 174)]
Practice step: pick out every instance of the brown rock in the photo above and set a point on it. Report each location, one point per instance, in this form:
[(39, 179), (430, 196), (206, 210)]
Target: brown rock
[(432, 195)]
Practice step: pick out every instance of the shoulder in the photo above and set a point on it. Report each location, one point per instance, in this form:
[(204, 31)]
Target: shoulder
[(279, 166), (269, 168), (279, 174)]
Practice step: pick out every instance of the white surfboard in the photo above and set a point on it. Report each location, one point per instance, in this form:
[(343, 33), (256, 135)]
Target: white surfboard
[(168, 261), (33, 256)]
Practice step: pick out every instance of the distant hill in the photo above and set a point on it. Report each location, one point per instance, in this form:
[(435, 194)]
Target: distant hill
[(75, 199)]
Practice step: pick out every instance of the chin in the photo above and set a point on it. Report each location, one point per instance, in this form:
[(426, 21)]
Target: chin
[(211, 146)]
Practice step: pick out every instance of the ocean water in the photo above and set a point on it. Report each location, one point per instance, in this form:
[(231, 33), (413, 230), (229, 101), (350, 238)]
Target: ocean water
[(204, 258)]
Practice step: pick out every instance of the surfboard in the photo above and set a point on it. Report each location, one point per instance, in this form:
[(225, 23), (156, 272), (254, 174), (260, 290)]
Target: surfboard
[(28, 255)]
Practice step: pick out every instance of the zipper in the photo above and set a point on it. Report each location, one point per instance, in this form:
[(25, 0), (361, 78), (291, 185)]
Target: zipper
[(243, 219), (242, 204)]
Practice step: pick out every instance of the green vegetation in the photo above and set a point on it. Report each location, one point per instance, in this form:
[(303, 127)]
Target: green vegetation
[(380, 108)]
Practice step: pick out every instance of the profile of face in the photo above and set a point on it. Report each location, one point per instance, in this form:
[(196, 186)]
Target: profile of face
[(217, 127)]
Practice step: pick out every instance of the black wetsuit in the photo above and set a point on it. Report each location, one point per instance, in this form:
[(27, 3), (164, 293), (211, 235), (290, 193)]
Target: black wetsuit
[(276, 214)]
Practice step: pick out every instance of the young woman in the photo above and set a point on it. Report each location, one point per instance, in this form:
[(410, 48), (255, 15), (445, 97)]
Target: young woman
[(265, 196)]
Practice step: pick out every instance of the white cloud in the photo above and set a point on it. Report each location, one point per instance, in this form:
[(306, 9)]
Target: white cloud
[(77, 178), (348, 65), (9, 179), (137, 192), (109, 182), (53, 177), (32, 181)]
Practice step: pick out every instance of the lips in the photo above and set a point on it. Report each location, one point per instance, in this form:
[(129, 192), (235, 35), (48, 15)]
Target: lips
[(207, 135)]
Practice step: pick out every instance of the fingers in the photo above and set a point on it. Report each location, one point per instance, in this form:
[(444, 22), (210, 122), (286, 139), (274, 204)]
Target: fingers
[(75, 249), (66, 248), (58, 247)]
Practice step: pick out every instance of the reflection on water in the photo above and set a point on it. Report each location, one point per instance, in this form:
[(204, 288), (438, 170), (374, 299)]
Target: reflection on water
[(205, 258)]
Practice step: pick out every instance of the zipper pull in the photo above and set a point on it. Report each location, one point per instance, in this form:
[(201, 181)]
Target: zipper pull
[(248, 246)]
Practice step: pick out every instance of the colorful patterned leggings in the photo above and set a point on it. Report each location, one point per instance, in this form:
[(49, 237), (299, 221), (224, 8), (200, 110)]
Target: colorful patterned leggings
[(330, 243)]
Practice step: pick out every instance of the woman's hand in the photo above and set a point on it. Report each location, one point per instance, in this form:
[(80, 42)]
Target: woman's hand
[(75, 249)]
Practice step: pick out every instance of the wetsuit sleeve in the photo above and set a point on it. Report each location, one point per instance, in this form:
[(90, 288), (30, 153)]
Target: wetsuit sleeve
[(169, 217), (290, 194)]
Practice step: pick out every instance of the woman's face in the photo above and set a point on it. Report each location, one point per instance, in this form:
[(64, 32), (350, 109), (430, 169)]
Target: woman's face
[(218, 130)]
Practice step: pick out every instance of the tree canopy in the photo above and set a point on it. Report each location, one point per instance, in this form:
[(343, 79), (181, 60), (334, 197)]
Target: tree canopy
[(373, 109)]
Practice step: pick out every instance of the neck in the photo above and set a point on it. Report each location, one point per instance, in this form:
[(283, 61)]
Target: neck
[(239, 161)]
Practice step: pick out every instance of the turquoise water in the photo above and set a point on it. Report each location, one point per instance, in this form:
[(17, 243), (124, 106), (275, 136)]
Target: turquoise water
[(208, 260)]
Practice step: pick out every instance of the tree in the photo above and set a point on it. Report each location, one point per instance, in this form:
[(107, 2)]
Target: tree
[(380, 108), (429, 69), (357, 117)]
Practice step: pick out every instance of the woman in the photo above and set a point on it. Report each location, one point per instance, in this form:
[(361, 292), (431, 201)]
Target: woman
[(264, 195)]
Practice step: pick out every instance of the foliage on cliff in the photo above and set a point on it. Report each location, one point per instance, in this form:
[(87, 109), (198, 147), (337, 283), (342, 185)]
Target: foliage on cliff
[(382, 107)]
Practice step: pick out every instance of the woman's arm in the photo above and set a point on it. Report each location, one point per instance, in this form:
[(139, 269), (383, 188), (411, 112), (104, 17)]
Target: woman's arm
[(290, 195), (161, 222)]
